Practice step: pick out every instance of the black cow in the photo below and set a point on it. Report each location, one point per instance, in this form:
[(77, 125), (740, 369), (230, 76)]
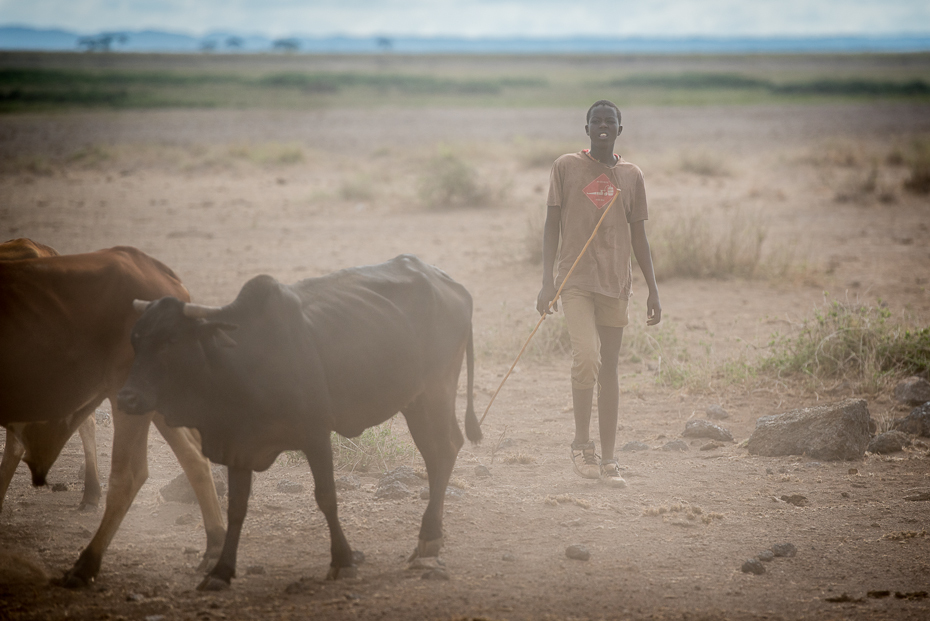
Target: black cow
[(338, 353)]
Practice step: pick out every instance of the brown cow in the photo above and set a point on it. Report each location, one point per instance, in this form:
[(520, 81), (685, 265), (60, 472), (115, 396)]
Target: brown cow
[(64, 324), (36, 441)]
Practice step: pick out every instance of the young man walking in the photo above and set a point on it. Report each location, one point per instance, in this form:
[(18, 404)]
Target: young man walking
[(595, 298)]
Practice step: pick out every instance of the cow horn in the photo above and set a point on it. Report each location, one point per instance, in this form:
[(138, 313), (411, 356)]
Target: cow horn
[(199, 311), (140, 305)]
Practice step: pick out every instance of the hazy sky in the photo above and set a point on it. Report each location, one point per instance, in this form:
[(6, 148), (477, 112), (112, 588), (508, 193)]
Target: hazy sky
[(474, 18)]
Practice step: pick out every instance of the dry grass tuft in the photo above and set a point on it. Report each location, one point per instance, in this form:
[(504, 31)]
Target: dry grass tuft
[(518, 458), (564, 499)]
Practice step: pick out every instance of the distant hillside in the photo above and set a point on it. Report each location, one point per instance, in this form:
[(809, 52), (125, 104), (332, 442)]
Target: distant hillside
[(24, 38)]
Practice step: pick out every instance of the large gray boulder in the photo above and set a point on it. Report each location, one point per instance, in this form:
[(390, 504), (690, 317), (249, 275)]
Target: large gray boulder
[(830, 432)]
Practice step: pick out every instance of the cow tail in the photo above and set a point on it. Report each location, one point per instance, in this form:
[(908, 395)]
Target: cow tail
[(472, 428)]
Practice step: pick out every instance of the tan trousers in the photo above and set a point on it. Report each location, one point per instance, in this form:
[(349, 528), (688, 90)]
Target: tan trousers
[(584, 311)]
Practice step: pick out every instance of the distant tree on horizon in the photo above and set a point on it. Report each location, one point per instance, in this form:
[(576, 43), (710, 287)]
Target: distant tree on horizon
[(102, 42), (286, 45)]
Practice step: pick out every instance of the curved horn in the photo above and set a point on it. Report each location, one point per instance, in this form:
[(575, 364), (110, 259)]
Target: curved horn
[(140, 305), (198, 311)]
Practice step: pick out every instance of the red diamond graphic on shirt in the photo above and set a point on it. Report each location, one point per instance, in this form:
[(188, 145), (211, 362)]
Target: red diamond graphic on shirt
[(601, 191)]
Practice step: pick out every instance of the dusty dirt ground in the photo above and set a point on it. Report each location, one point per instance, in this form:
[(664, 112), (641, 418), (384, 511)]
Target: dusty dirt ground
[(216, 195)]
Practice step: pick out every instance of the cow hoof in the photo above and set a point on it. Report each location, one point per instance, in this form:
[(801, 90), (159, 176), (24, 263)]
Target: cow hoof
[(341, 573), (212, 583), (72, 581), (426, 549)]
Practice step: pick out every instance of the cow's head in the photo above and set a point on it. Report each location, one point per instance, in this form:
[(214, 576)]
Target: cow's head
[(174, 343)]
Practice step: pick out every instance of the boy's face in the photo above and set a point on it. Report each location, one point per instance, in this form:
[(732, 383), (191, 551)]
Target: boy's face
[(603, 127)]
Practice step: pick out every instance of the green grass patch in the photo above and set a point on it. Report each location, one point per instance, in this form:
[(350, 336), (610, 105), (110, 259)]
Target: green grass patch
[(847, 341)]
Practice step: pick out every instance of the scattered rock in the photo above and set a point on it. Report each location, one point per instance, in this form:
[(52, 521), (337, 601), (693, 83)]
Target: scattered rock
[(831, 432), (577, 552), (913, 391), (699, 428), (401, 474), (179, 488), (712, 445), (889, 442), (289, 487), (917, 423), (766, 556), (437, 573), (634, 446), (784, 550), (395, 490), (753, 566), (482, 471), (60, 487), (676, 445), (255, 570), (716, 412), (796, 499), (185, 519), (348, 482)]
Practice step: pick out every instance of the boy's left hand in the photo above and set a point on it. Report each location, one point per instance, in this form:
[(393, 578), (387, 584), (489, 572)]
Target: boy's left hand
[(653, 310)]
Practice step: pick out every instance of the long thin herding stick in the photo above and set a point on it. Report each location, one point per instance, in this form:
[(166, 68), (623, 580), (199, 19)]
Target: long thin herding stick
[(551, 304)]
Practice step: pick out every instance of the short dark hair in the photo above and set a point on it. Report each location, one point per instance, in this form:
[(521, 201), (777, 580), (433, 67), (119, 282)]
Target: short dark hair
[(602, 102)]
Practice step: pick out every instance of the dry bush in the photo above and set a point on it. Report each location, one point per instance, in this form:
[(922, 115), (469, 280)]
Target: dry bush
[(918, 181), (704, 164), (451, 182), (690, 247)]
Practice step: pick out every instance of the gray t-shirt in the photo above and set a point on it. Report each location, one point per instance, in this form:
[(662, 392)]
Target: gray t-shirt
[(583, 187)]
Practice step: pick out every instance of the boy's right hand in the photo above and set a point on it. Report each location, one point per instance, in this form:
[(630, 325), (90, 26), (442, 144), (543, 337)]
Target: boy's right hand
[(546, 295)]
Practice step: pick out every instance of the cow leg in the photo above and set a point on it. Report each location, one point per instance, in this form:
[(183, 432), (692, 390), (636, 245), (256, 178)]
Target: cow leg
[(319, 454), (128, 472), (431, 419), (12, 455), (187, 448), (240, 486), (88, 432)]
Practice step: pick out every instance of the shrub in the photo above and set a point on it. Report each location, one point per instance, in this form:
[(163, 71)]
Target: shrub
[(919, 179), (852, 342), (378, 447), (451, 182), (689, 248)]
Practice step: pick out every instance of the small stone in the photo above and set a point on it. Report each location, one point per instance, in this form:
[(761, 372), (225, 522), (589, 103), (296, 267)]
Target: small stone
[(844, 494), (190, 550), (917, 423), (676, 445), (509, 558), (784, 550), (889, 442), (699, 428), (135, 597), (716, 412), (348, 482), (255, 570), (184, 520), (913, 391), (796, 499), (60, 487), (437, 573), (753, 566), (392, 491), (482, 471), (711, 446), (852, 471), (766, 556), (577, 552), (289, 487), (634, 446), (401, 474)]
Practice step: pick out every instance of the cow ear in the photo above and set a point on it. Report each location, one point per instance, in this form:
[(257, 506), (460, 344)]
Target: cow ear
[(216, 331)]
